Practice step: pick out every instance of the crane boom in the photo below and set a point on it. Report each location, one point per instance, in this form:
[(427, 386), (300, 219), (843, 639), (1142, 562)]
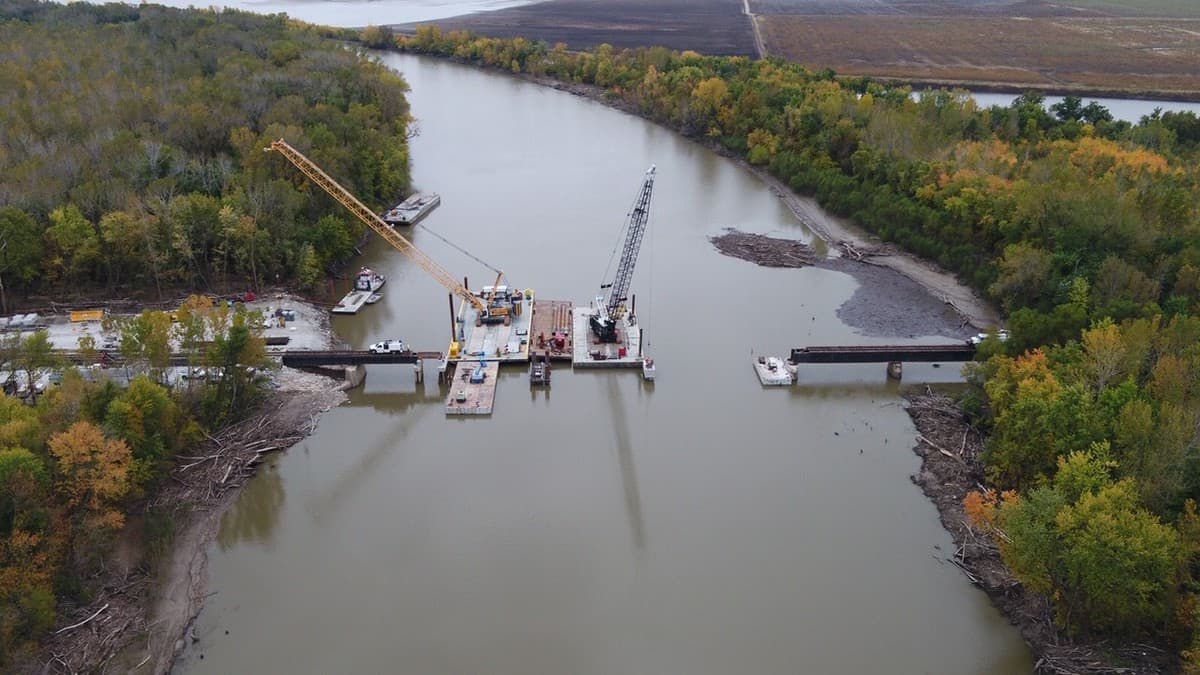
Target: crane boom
[(604, 320), (373, 221), (633, 243)]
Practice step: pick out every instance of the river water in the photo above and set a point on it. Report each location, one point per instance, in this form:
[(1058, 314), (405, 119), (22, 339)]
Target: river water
[(701, 524), (1128, 109)]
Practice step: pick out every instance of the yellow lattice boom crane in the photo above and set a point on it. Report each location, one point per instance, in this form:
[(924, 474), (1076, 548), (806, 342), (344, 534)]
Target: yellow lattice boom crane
[(486, 311)]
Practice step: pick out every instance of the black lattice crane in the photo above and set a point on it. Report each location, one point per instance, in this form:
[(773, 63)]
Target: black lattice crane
[(608, 310)]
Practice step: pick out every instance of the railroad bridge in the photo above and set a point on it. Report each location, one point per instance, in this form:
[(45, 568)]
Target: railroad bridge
[(308, 358), (357, 359), (893, 355)]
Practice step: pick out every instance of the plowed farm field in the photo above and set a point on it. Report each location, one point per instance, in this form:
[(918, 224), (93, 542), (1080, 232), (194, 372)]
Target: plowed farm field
[(1129, 47), (718, 27)]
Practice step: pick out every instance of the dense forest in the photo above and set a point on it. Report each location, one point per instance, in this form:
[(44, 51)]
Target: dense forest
[(1084, 229), (131, 150), (131, 145), (76, 459)]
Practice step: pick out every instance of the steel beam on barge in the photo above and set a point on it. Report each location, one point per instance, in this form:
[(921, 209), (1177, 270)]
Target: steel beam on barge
[(884, 353)]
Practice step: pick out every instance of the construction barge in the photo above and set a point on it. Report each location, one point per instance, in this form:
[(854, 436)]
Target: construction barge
[(413, 209), (497, 324)]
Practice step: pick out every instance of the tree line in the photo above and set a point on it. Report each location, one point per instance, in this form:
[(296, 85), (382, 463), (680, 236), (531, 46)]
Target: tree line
[(1083, 228), (131, 141), (77, 458)]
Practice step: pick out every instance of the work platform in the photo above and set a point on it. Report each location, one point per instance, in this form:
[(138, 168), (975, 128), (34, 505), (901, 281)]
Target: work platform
[(495, 342), (589, 352), (352, 302), (773, 371), (550, 329), (472, 398)]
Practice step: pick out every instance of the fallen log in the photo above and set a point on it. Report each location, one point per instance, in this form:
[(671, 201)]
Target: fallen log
[(81, 623)]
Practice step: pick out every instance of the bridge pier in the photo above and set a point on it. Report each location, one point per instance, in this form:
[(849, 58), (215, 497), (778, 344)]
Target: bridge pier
[(355, 376), (419, 371), (895, 369)]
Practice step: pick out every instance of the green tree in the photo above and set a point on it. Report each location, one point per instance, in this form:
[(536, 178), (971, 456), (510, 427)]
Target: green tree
[(1119, 560), (1025, 270), (36, 356), (145, 342), (20, 250), (75, 245), (146, 418), (1083, 540), (309, 270)]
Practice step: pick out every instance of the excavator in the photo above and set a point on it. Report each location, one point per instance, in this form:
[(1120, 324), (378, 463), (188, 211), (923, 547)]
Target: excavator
[(608, 311), (497, 308)]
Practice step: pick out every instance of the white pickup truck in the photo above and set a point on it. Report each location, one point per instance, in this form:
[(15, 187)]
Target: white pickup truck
[(388, 347)]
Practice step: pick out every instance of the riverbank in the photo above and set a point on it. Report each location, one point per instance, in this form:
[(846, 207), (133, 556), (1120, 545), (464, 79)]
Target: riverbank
[(138, 620), (949, 448)]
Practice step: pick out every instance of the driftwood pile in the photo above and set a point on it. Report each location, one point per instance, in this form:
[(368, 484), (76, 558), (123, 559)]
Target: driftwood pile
[(118, 615), (228, 459), (764, 250), (113, 620), (950, 468)]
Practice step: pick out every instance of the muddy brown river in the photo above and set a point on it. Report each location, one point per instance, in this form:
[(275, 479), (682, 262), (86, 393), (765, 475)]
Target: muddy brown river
[(702, 524)]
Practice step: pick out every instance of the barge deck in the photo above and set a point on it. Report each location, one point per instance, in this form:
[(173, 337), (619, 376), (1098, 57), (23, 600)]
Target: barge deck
[(472, 398), (413, 209), (589, 352), (352, 302), (550, 329)]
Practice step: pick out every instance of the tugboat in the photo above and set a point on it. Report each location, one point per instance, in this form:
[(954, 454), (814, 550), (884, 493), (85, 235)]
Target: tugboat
[(539, 370), (368, 280)]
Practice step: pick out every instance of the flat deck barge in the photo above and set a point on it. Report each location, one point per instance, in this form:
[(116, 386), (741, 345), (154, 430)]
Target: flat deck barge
[(773, 371), (352, 302), (413, 209), (496, 341), (472, 398), (550, 329), (589, 352)]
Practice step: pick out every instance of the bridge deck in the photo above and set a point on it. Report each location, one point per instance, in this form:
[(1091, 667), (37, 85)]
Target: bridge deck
[(308, 358), (883, 353), (479, 397)]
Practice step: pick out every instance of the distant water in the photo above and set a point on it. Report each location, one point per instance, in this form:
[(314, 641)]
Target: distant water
[(1128, 109), (354, 13)]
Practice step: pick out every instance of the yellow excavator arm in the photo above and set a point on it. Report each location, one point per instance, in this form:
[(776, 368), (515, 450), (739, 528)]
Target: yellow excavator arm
[(373, 221)]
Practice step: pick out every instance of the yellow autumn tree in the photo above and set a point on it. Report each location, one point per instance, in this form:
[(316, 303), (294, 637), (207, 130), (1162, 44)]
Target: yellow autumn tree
[(93, 474)]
